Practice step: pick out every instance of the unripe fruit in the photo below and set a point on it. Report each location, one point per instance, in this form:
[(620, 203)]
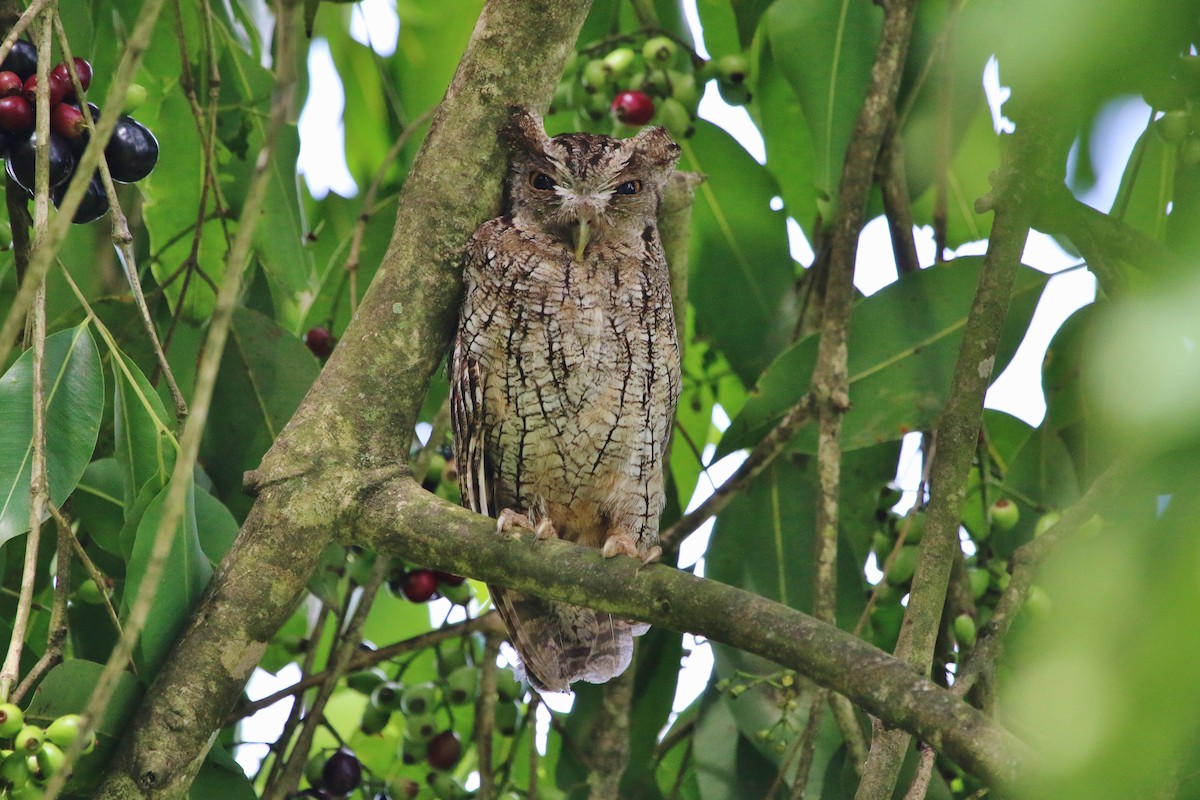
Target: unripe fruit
[(445, 787), (320, 341), (419, 699), (135, 98), (889, 495), (684, 89), (632, 108), (1173, 126), (419, 585), (617, 63), (314, 769), (459, 594), (387, 696), (505, 718), (16, 114), (374, 719), (964, 630), (342, 773), (12, 719), (735, 94), (676, 118), (411, 752), (10, 84), (1046, 522), (50, 759), (912, 525), (732, 69), (507, 685), (65, 730), (15, 769), (462, 685), (595, 74), (980, 580), (1004, 514), (659, 50), (365, 681), (903, 565), (22, 59), (420, 728), (444, 750), (29, 739), (881, 543)]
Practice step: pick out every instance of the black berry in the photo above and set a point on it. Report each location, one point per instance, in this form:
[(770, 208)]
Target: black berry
[(342, 772), (21, 158), (22, 59), (94, 204), (132, 151)]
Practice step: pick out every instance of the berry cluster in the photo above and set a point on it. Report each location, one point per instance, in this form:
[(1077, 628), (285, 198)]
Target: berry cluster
[(131, 153), (34, 754), (658, 82), (426, 713)]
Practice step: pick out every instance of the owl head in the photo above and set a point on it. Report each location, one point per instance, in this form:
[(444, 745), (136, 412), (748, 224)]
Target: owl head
[(587, 188)]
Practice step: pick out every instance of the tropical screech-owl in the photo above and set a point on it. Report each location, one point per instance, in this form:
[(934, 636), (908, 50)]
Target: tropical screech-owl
[(565, 375)]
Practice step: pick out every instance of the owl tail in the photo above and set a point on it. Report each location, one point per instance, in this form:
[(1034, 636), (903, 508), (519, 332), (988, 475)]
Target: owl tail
[(561, 643)]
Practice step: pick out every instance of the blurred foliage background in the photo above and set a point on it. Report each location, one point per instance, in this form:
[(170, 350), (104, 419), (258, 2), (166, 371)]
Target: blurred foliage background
[(1099, 675)]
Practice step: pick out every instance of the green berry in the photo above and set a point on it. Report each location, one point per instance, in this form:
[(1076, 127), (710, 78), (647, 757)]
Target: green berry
[(314, 769), (462, 685), (419, 699), (889, 495), (684, 89), (505, 718), (731, 69), (507, 685), (735, 94), (980, 580), (1004, 514), (1173, 126), (903, 566), (374, 719), (659, 50), (365, 681), (65, 730), (964, 630), (676, 118), (135, 98), (1037, 602), (564, 98), (12, 719), (459, 595), (446, 787), (88, 592), (29, 739), (881, 543), (1046, 522), (50, 759), (388, 696), (420, 728), (595, 74), (617, 63), (15, 769)]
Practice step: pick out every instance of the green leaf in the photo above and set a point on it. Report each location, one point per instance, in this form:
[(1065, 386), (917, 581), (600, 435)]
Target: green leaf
[(265, 373), (903, 345), (727, 766), (73, 384), (789, 143), (825, 51), (216, 525), (221, 776), (741, 267), (66, 689), (722, 28), (977, 156), (145, 446), (184, 577), (98, 504)]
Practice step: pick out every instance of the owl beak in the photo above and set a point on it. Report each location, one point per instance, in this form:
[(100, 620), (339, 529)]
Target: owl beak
[(581, 239)]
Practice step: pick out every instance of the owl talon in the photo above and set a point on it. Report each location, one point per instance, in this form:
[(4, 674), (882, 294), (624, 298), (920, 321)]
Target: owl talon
[(509, 519), (653, 556), (618, 544), (545, 530)]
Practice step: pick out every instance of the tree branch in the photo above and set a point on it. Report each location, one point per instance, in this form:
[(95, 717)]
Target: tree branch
[(401, 519)]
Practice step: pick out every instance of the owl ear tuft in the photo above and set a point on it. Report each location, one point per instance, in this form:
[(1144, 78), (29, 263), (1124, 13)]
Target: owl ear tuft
[(655, 145), (526, 132)]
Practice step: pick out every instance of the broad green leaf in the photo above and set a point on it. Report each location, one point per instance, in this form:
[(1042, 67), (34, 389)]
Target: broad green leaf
[(741, 267), (145, 446), (789, 143), (722, 29), (976, 157), (265, 372), (903, 345), (184, 577), (727, 766), (73, 385), (432, 35), (825, 51), (1042, 474), (66, 689), (221, 776), (98, 503), (215, 524)]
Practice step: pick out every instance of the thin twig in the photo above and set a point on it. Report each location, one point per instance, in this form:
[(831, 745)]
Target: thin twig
[(761, 457), (807, 745), (279, 747), (893, 184), (920, 784), (59, 627), (485, 716), (22, 23)]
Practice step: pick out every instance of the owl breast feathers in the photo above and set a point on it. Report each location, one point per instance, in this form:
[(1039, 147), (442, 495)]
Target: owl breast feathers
[(565, 374)]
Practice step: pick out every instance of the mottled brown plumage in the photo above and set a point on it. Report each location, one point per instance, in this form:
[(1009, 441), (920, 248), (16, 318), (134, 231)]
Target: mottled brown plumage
[(565, 374)]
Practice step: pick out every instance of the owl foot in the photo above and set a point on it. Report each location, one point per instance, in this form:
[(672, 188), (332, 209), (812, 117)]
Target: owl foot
[(509, 519), (653, 556), (618, 544)]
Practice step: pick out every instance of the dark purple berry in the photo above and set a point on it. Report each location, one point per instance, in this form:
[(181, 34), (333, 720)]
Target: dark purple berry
[(22, 59), (419, 585), (132, 151), (448, 578), (21, 159), (94, 204), (342, 773), (444, 750), (320, 341)]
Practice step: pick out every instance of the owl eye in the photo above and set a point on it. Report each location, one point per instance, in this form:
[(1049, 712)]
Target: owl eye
[(629, 187), (540, 180)]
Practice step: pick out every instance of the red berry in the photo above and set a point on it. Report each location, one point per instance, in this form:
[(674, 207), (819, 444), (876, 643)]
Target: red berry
[(82, 67), (633, 108), (320, 342), (342, 772), (448, 579), (58, 90), (419, 585), (16, 115), (10, 83), (67, 121), (444, 750)]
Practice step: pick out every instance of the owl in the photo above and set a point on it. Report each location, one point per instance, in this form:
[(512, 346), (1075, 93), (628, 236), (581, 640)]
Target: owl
[(564, 375)]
